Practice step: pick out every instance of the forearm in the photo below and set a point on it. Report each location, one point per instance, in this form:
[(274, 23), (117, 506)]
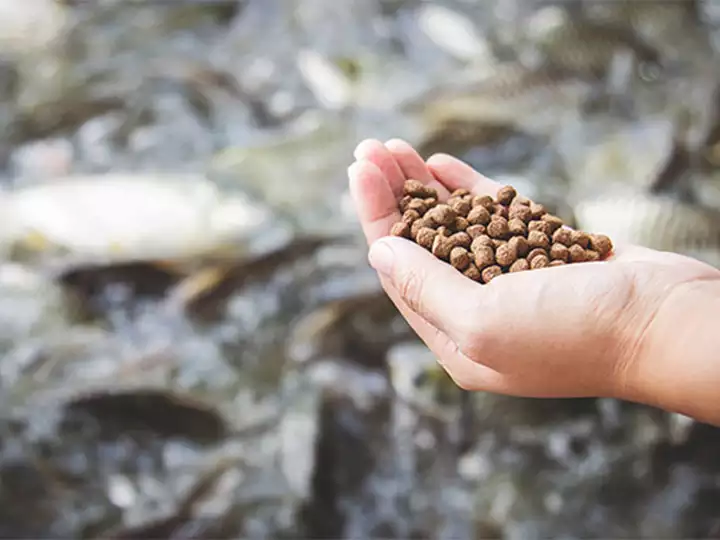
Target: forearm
[(678, 364)]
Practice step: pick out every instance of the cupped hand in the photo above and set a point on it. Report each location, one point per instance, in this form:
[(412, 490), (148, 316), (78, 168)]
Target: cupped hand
[(577, 330)]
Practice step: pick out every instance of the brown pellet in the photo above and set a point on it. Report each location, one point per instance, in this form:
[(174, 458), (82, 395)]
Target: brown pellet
[(521, 245), (577, 253), (410, 216), (538, 210), (581, 238), (404, 203), (537, 252), (498, 227), (473, 272), (506, 194), (553, 221), (419, 224), (479, 215), (501, 211), (425, 237), (559, 252), (486, 201), (461, 224), (415, 188), (461, 207), (537, 239), (459, 258), (418, 205), (517, 227), (442, 246), (476, 230), (601, 243), (442, 214), (520, 211), (538, 225), (461, 239), (490, 273), (496, 242), (563, 236), (541, 261), (591, 255), (459, 193), (431, 202), (519, 266), (400, 229), (484, 256), (556, 263), (481, 241), (506, 255)]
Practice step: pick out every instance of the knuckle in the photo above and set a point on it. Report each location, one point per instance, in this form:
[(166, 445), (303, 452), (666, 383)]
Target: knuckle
[(410, 286), (452, 361)]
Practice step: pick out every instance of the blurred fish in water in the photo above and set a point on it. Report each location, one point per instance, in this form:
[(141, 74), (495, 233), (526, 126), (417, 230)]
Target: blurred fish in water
[(584, 46), (204, 292), (507, 154), (704, 188), (613, 154), (534, 99), (180, 523), (360, 327), (457, 136), (655, 222), (162, 413), (103, 219), (707, 139), (653, 19)]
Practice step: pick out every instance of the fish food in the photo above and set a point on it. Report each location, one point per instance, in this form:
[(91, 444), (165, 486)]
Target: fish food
[(484, 237)]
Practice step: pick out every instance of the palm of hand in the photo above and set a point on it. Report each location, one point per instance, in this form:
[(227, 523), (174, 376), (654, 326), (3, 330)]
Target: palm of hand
[(570, 331)]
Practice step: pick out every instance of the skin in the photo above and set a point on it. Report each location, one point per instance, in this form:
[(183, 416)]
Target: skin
[(639, 326)]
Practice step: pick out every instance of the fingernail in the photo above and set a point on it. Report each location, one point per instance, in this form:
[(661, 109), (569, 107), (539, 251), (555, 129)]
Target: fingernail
[(351, 169), (359, 153), (396, 142), (381, 257)]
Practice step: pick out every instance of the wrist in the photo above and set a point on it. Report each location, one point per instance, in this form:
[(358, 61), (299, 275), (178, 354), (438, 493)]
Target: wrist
[(675, 364)]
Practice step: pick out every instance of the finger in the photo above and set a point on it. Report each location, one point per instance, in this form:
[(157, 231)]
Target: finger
[(425, 284), (413, 166), (466, 373), (376, 208), (455, 174), (374, 151), (375, 203)]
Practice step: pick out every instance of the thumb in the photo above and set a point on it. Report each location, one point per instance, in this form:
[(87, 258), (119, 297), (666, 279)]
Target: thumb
[(430, 287)]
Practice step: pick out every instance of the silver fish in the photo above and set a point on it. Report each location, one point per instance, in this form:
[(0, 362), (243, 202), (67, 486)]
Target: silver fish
[(534, 99), (587, 47), (655, 222), (705, 188)]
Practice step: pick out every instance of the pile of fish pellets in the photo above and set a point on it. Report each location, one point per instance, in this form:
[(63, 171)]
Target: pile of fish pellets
[(484, 237)]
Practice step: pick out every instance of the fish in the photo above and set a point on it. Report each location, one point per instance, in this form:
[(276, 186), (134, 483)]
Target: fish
[(532, 99), (587, 47), (654, 221), (458, 136)]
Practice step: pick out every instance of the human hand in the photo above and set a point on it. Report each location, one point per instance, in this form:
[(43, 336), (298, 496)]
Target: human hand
[(581, 330)]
